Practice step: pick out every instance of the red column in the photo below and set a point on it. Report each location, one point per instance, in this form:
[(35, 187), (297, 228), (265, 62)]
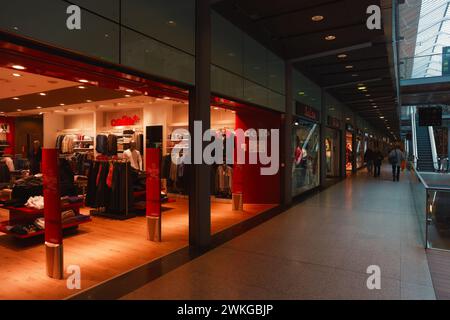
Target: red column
[(52, 213), (153, 205)]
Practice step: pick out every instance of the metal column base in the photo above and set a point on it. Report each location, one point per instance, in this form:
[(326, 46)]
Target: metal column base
[(154, 229), (54, 260), (238, 202)]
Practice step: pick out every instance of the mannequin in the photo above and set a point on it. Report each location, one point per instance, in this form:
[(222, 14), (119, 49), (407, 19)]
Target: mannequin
[(134, 156)]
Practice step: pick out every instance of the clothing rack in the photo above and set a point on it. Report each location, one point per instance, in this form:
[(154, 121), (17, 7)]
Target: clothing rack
[(102, 211)]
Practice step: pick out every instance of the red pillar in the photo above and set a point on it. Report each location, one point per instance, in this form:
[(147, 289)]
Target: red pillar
[(153, 205), (52, 214)]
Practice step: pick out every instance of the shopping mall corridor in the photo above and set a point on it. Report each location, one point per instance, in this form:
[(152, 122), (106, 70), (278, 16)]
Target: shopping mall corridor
[(319, 249)]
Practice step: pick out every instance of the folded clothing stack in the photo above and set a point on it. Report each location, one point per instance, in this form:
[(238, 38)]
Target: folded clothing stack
[(35, 203)]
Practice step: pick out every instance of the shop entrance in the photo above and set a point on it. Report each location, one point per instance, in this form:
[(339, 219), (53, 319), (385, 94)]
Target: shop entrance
[(332, 149), (111, 134)]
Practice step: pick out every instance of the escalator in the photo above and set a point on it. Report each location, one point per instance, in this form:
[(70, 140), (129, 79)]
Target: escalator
[(424, 151)]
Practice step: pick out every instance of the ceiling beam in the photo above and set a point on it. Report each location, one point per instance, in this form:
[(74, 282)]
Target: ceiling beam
[(352, 83), (332, 52), (321, 31)]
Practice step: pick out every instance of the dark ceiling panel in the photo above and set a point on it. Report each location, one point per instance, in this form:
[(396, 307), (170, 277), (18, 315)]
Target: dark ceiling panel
[(286, 27)]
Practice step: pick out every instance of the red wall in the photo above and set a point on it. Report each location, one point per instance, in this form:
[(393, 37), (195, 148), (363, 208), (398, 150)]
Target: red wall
[(257, 188), (10, 137)]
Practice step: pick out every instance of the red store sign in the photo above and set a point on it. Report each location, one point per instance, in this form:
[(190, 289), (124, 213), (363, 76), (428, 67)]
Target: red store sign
[(125, 121)]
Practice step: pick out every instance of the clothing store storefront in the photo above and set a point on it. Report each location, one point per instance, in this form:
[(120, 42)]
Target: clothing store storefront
[(361, 148), (349, 147), (306, 146), (333, 147)]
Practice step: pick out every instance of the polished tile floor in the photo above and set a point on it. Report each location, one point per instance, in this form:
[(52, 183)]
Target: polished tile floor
[(320, 249)]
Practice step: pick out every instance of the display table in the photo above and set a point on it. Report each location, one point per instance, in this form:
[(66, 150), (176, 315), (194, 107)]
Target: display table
[(24, 215)]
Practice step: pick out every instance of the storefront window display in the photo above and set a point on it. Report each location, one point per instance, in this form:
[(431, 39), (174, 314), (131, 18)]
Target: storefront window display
[(349, 154), (332, 152), (305, 170)]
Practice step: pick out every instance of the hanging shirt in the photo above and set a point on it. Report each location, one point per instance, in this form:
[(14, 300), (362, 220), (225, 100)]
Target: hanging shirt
[(135, 158)]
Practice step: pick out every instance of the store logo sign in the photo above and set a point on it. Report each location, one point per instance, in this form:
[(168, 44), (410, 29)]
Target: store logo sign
[(374, 20), (125, 121), (252, 147), (74, 20), (4, 128)]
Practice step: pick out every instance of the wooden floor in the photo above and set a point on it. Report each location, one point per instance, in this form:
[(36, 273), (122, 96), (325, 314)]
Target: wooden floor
[(103, 249)]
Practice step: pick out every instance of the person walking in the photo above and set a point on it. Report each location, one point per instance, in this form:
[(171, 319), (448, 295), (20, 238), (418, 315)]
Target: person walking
[(377, 162), (396, 156), (368, 158)]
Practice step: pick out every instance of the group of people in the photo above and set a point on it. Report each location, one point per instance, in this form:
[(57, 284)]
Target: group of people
[(374, 159)]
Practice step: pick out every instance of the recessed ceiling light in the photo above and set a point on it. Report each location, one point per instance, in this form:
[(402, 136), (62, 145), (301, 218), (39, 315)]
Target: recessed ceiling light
[(38, 107), (62, 104), (19, 110), (301, 93), (349, 67), (381, 117), (348, 119), (81, 87), (130, 90), (42, 94), (367, 95), (355, 75), (18, 67), (171, 23), (362, 88), (330, 38), (17, 75), (375, 107), (166, 98), (342, 56), (83, 81), (317, 18), (88, 101), (127, 96), (16, 98)]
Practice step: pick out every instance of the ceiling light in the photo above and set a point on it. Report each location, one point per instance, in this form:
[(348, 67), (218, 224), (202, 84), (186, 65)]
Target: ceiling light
[(367, 95), (127, 96), (348, 119), (83, 81), (362, 88), (19, 110), (17, 75), (301, 93), (130, 90), (81, 87), (349, 67), (317, 18), (166, 98), (342, 56), (375, 107), (18, 67), (171, 23), (42, 94), (330, 38), (88, 101), (355, 75), (62, 104), (16, 98), (382, 117), (38, 107)]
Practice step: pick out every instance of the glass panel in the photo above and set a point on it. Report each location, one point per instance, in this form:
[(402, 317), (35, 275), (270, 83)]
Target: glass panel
[(276, 78), (226, 83), (46, 21), (171, 22), (107, 8), (306, 146), (439, 219), (306, 91), (156, 58), (227, 45), (256, 94), (277, 101), (255, 61)]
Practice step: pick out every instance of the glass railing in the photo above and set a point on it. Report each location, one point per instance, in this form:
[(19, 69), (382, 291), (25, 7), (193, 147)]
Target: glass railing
[(431, 193), (425, 66)]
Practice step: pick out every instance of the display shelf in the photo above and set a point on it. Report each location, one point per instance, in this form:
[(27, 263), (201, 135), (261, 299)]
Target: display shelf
[(5, 224), (31, 211)]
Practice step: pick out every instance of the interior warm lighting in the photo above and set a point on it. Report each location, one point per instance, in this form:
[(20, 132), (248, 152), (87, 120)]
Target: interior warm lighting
[(330, 38), (88, 101), (362, 88), (16, 98), (83, 81), (301, 93), (17, 75), (81, 87), (130, 90), (19, 110), (317, 18), (342, 56), (127, 96), (62, 104), (42, 94), (18, 67), (349, 67), (171, 23), (38, 107), (381, 117), (348, 119)]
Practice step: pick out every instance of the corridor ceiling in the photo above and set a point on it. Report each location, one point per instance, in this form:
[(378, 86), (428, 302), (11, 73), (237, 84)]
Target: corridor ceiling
[(288, 28)]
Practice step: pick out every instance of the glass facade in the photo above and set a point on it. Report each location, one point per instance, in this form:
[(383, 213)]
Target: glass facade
[(332, 152), (306, 156)]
